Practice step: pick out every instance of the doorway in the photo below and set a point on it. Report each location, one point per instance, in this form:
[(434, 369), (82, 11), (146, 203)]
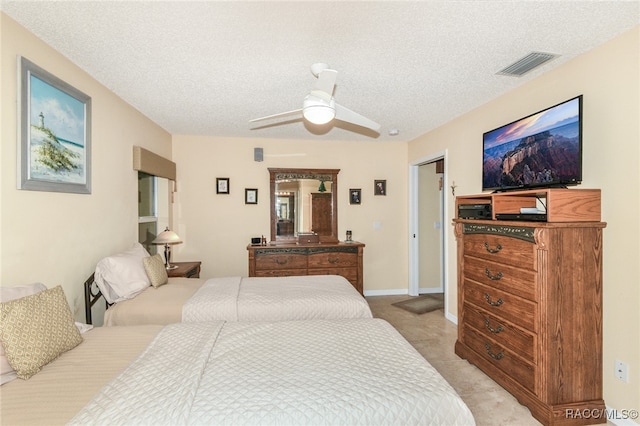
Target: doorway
[(430, 227), (427, 238)]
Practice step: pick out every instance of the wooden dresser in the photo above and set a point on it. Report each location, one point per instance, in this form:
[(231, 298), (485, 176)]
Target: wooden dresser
[(282, 260), (530, 311)]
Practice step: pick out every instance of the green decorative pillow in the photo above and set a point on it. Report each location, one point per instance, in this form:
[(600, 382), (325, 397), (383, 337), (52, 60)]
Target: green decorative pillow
[(37, 329), (156, 271)]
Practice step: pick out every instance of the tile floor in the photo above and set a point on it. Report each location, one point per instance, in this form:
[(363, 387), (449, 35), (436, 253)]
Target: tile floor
[(434, 337)]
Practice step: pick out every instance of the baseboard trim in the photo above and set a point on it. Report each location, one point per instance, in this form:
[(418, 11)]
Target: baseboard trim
[(390, 292)]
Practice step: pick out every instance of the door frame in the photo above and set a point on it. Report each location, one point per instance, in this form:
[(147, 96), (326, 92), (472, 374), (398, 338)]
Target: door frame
[(414, 270)]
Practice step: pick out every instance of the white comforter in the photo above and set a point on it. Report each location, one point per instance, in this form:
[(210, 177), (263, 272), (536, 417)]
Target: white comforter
[(355, 371), (275, 299)]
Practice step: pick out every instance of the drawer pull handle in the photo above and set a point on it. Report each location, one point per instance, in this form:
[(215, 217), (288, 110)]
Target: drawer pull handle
[(497, 356), (493, 330), (282, 261), (490, 250), (496, 303), (495, 277), (333, 260)]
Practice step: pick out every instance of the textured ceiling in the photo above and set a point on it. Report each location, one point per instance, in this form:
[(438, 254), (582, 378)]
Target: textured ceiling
[(208, 67)]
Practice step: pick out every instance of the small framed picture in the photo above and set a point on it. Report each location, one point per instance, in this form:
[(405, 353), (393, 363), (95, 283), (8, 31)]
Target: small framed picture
[(222, 185), (355, 196), (379, 187), (250, 196)]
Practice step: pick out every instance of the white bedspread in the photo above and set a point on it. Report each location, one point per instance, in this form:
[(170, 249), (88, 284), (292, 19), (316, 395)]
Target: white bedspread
[(356, 371), (275, 299)]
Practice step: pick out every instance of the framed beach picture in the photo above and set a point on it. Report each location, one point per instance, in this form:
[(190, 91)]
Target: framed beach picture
[(55, 133)]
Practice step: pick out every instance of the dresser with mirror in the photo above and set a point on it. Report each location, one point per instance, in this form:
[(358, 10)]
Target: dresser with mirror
[(304, 229)]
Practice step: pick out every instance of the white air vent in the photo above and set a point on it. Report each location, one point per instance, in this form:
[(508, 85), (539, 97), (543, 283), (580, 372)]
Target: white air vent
[(526, 64)]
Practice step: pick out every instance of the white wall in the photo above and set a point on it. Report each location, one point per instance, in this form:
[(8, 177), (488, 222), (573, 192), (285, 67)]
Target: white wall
[(608, 77), (57, 238), (217, 228)]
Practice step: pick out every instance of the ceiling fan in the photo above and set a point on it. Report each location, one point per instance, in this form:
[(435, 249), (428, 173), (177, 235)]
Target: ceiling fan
[(319, 107)]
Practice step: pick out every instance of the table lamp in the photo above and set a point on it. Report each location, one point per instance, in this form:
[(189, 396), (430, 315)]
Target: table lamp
[(168, 238)]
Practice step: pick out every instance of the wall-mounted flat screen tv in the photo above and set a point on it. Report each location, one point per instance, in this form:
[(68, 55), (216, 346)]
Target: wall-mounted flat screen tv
[(541, 150)]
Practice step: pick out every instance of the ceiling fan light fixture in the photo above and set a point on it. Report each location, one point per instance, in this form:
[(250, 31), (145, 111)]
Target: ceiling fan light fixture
[(319, 114)]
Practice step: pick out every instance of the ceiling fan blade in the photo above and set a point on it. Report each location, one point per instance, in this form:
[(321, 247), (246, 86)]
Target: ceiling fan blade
[(326, 81), (279, 115), (345, 114)]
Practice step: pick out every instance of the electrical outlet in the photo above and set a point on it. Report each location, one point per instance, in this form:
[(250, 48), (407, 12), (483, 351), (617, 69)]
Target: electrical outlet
[(622, 371)]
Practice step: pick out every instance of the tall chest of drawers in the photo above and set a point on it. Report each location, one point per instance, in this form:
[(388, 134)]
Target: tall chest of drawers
[(530, 312), (282, 260)]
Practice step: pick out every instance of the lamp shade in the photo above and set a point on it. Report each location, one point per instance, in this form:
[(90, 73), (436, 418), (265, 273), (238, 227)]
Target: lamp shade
[(319, 114), (167, 237), (318, 110)]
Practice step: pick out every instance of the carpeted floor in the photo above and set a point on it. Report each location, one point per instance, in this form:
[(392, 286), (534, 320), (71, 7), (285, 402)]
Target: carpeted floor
[(422, 304)]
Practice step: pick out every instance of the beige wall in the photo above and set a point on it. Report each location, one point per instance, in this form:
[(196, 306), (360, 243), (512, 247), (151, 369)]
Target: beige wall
[(57, 238), (216, 228), (608, 77)]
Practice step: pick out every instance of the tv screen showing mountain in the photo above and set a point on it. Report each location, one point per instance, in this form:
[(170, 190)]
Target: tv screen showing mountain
[(543, 149)]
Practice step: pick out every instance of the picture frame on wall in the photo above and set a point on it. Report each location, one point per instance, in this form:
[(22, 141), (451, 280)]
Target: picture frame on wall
[(250, 196), (355, 196), (379, 187), (54, 149), (222, 185)]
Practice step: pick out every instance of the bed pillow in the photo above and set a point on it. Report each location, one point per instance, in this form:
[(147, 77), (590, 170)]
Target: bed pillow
[(122, 276), (156, 270), (7, 373), (12, 293), (37, 329)]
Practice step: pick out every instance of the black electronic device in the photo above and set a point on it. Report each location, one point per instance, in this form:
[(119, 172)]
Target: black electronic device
[(474, 211), (525, 217), (541, 150)]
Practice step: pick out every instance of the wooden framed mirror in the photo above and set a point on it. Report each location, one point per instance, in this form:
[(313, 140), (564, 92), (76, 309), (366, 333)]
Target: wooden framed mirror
[(304, 201)]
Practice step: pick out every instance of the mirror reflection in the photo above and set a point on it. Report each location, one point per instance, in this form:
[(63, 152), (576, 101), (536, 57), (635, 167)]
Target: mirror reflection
[(303, 206), (303, 201)]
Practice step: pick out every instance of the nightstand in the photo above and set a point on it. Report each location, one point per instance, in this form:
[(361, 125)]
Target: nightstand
[(185, 270)]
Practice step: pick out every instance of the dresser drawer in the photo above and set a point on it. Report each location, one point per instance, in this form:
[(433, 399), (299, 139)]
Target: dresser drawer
[(350, 274), (498, 248), (331, 259), (501, 304), (502, 358), (281, 261), (519, 341), (521, 282), (280, 272)]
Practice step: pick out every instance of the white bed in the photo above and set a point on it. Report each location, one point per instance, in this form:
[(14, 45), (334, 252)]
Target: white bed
[(350, 371), (241, 299)]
